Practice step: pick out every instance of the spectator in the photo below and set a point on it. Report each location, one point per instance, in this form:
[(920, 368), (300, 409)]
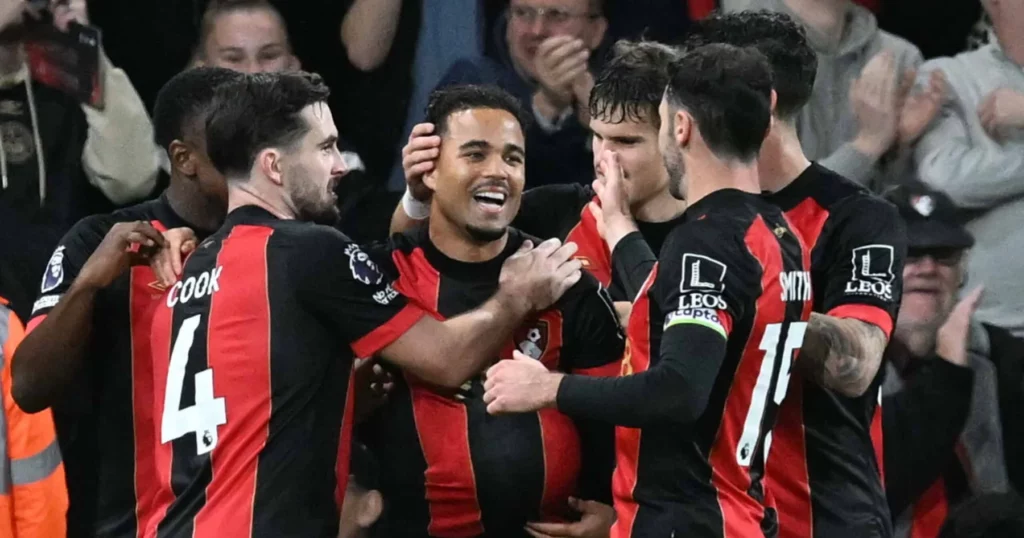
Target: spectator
[(988, 516), (437, 36), (853, 117), (363, 503), (61, 160), (33, 498), (245, 35), (945, 441), (545, 60), (975, 153)]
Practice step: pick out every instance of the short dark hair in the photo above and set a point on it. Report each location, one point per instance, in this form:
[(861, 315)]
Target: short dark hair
[(632, 82), (259, 111), (776, 35), (185, 101), (216, 8), (727, 90), (446, 101)]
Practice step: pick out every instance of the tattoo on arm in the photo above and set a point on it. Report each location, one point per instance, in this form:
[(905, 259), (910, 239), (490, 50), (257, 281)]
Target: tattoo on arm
[(841, 354)]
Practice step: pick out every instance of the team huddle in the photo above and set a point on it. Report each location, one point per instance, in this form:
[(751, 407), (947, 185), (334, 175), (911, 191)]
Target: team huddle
[(691, 346)]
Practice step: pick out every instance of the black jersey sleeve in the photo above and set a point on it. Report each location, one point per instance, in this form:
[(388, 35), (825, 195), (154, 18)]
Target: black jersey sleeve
[(632, 262), (552, 210), (68, 258), (863, 263), (339, 281), (706, 280), (594, 340), (593, 346)]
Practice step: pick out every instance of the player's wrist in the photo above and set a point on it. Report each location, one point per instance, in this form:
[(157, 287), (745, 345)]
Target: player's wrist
[(549, 390), (616, 228), (514, 304), (415, 209)]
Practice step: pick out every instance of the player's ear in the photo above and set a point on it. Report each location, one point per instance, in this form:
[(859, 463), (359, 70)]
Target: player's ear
[(294, 64), (370, 509), (683, 128), (430, 179), (269, 162), (181, 158)]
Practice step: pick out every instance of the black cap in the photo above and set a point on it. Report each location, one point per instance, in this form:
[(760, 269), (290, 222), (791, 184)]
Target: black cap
[(931, 218)]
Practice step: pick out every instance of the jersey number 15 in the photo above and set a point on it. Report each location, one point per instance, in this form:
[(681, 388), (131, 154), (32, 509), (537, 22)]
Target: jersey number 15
[(201, 418), (773, 360)]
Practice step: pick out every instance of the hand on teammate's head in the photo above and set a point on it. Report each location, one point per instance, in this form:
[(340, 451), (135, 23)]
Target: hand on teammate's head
[(418, 158)]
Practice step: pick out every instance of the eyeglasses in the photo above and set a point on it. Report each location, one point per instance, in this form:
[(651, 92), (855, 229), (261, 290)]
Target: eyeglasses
[(948, 257), (548, 15)]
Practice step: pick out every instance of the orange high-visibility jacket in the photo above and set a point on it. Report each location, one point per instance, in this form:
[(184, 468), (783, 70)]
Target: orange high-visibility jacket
[(33, 494)]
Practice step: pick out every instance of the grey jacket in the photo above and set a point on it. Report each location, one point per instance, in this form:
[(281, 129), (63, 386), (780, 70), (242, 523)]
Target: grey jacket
[(983, 176), (827, 126)]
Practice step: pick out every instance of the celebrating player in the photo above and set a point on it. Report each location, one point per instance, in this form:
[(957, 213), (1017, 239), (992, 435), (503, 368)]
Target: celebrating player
[(624, 118), (441, 440), (714, 330), (86, 354), (254, 346), (825, 464)]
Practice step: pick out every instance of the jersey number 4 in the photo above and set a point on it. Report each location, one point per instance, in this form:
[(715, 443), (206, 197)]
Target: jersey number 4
[(773, 360), (201, 418)]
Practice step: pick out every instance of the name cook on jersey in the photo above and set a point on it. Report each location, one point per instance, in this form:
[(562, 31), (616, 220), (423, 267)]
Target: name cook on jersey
[(194, 287)]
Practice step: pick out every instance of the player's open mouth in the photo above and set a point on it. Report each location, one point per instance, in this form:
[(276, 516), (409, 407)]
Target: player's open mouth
[(491, 199)]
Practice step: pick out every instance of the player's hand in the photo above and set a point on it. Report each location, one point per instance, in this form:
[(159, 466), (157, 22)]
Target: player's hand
[(169, 261), (372, 384), (64, 13), (560, 61), (520, 385), (1001, 109), (874, 98), (596, 520), (920, 107), (951, 340), (418, 157), (126, 243), (534, 278), (13, 11), (610, 186)]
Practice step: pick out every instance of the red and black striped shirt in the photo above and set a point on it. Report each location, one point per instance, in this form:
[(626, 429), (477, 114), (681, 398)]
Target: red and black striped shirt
[(105, 418), (711, 339), (454, 471), (252, 355), (824, 471)]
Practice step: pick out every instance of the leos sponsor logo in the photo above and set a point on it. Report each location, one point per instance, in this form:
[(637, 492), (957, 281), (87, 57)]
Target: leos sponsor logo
[(872, 272)]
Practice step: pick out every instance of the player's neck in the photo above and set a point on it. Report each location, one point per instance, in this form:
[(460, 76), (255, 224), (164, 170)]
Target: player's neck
[(782, 158), (825, 19), (188, 202), (243, 193), (662, 208), (453, 241), (709, 174)]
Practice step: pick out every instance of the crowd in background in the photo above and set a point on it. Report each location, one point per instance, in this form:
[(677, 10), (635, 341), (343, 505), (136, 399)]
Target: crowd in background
[(924, 95)]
